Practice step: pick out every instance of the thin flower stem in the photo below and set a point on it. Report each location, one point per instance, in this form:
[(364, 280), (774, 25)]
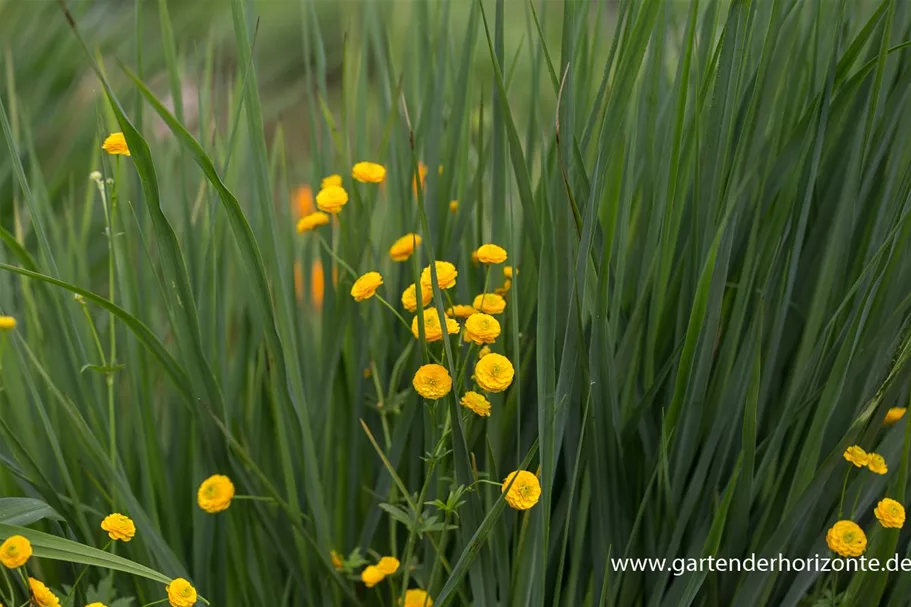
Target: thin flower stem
[(844, 487), (95, 337), (438, 562), (486, 482), (2, 347), (860, 490), (9, 585), (255, 498), (109, 211), (394, 311), (335, 257), (158, 602), (79, 578), (464, 366)]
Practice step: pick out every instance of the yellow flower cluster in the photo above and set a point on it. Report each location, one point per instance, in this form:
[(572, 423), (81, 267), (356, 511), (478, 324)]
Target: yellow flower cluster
[(332, 199), (374, 574), (890, 513), (522, 489), (432, 381), (874, 462), (402, 248), (7, 323), (369, 172), (846, 538), (15, 551), (332, 181), (409, 298), (312, 221), (491, 253), (215, 494), (461, 311), (181, 593), (116, 145), (417, 598), (446, 275), (482, 329), (365, 286), (494, 373), (433, 328), (476, 403), (42, 595), (489, 303), (119, 527)]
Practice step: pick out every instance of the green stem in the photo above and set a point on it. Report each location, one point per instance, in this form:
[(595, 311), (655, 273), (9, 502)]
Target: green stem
[(844, 487), (857, 497), (335, 257), (255, 498), (79, 578), (394, 311)]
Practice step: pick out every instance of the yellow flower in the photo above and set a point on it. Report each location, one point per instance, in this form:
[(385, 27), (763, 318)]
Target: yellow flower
[(890, 513), (369, 172), (116, 144), (365, 286), (525, 490), (181, 593), (453, 206), (303, 201), (508, 272), (461, 311), (119, 527), (371, 576), (857, 456), (7, 323), (417, 598), (484, 352), (94, 605), (312, 221), (893, 415), (15, 551), (388, 565), (432, 381), (433, 330), (215, 495), (482, 329), (489, 303), (474, 258), (491, 253), (477, 403), (409, 298), (42, 595), (502, 291), (446, 275), (877, 464), (334, 180), (332, 199), (337, 561), (402, 248), (494, 373), (846, 538)]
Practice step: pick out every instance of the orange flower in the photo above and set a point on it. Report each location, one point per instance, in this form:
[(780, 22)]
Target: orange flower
[(422, 175), (318, 283), (302, 202)]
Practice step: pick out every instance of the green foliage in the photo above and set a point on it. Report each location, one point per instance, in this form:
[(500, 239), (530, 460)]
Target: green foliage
[(709, 205)]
